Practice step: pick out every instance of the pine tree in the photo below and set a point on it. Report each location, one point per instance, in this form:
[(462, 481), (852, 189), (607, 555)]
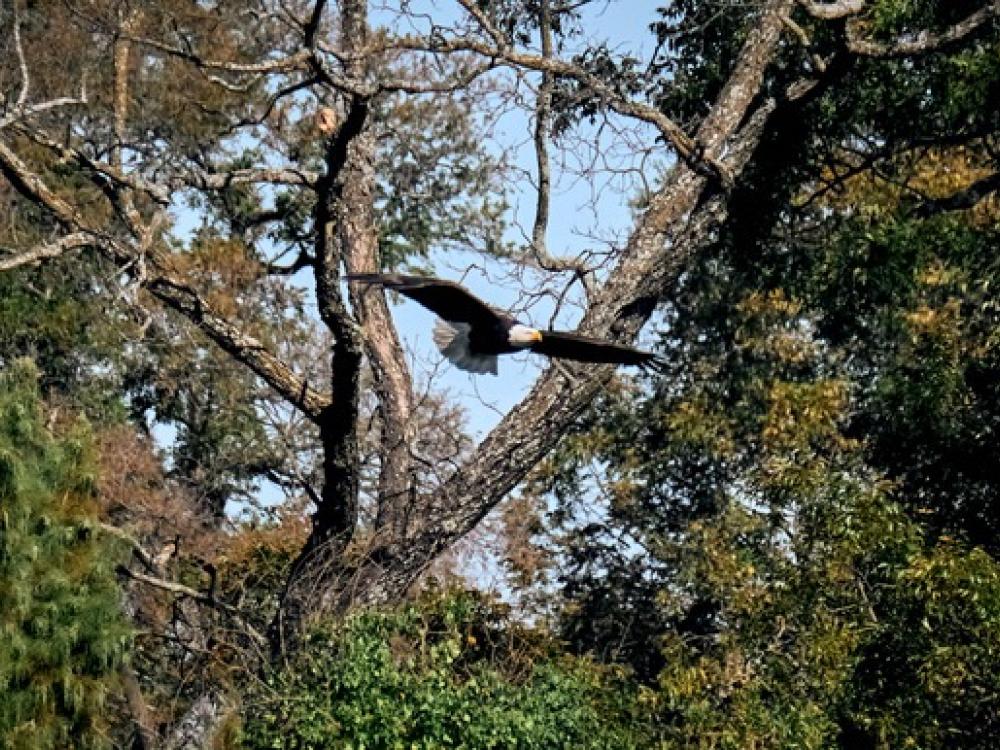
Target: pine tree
[(62, 635)]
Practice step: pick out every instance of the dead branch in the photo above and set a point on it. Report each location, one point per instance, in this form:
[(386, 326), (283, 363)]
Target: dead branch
[(201, 597), (686, 147)]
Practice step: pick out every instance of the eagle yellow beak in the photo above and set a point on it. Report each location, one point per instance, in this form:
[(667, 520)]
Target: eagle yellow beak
[(536, 336)]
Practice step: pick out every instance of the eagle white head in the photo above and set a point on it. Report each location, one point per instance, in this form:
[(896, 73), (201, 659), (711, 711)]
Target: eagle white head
[(522, 335)]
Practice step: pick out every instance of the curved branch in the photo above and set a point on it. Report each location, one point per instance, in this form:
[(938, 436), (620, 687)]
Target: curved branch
[(686, 147), (924, 41), (44, 251)]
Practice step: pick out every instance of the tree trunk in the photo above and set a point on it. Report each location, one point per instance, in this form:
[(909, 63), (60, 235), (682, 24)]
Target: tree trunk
[(680, 220)]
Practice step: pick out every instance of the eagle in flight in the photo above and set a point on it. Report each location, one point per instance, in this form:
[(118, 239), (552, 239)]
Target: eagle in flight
[(470, 333)]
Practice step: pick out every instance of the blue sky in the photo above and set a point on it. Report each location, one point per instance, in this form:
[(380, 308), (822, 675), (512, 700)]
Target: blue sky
[(585, 213)]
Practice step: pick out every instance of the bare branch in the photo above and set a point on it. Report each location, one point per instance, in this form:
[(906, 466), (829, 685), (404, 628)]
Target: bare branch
[(687, 148), (391, 85), (34, 188), (924, 41), (113, 172), (296, 61), (22, 63), (543, 123), (198, 596), (485, 23), (25, 112), (278, 176), (44, 251), (833, 10)]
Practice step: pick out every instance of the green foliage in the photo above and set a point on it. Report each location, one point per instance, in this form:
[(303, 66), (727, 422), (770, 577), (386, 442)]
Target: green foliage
[(800, 599), (452, 671), (925, 321), (802, 511), (929, 675), (62, 636), (56, 315), (438, 186)]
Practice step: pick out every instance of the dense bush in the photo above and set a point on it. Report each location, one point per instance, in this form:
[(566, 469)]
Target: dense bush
[(452, 671)]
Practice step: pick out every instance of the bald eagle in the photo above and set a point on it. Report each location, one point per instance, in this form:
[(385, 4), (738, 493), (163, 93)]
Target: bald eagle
[(471, 334)]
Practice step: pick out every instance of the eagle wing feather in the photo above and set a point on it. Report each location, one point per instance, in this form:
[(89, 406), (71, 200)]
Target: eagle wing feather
[(565, 345), (448, 300)]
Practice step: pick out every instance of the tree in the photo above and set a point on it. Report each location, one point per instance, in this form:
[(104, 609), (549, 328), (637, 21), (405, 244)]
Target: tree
[(276, 135), (64, 636), (799, 501)]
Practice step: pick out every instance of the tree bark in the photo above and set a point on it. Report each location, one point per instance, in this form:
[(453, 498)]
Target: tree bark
[(390, 373), (344, 227), (679, 221)]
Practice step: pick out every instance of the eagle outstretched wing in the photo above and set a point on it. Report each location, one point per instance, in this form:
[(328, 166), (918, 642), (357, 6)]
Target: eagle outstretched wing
[(584, 349), (448, 300)]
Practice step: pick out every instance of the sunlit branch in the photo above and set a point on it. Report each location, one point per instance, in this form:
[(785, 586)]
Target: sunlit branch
[(43, 251), (223, 180), (26, 112), (22, 62), (296, 61), (459, 82), (922, 42), (34, 188), (201, 597), (833, 10)]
